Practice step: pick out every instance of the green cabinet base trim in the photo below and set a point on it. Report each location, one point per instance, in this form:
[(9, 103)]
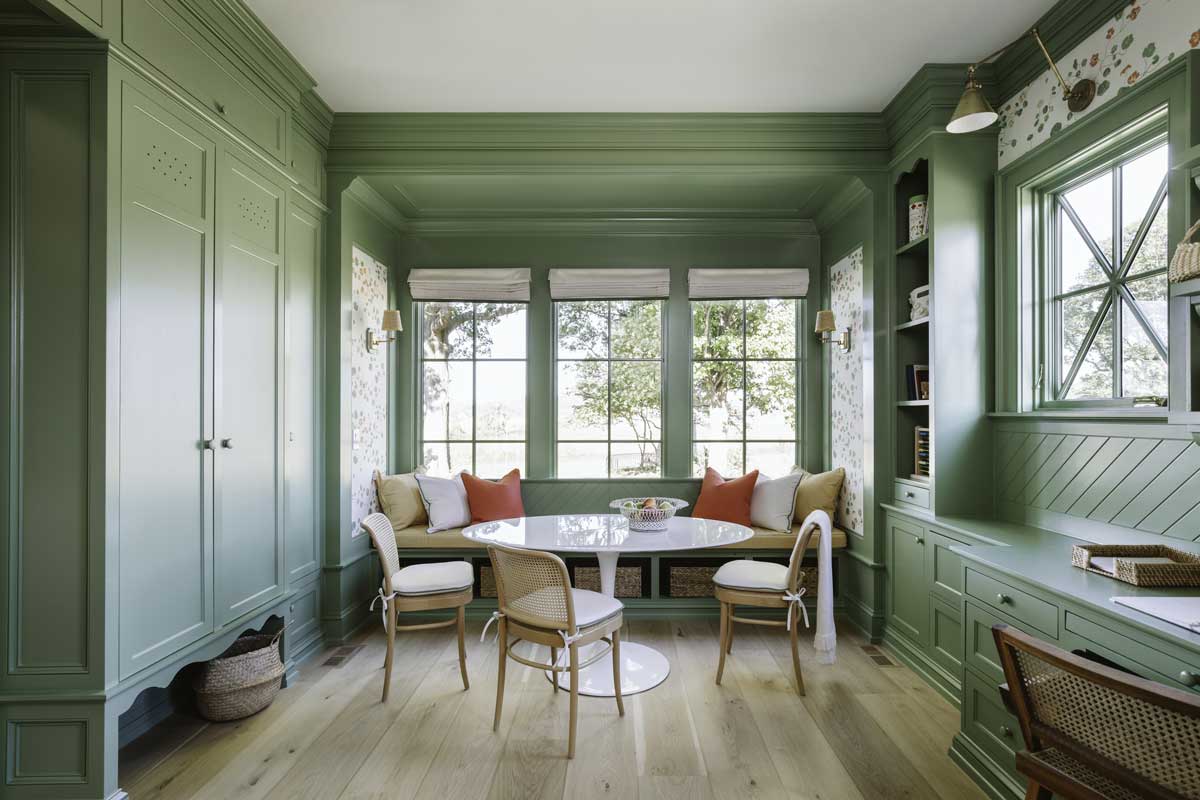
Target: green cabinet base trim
[(988, 776), (917, 659)]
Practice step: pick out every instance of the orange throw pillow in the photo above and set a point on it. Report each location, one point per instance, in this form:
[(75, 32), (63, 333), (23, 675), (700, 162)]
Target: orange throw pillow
[(493, 500), (725, 501)]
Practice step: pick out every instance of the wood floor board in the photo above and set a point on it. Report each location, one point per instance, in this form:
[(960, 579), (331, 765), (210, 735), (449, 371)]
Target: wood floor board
[(862, 731)]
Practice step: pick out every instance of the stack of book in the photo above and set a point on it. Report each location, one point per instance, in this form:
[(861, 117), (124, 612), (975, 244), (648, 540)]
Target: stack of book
[(921, 452)]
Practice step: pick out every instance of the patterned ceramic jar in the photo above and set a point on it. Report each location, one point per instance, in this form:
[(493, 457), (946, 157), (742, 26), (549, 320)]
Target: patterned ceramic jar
[(918, 214)]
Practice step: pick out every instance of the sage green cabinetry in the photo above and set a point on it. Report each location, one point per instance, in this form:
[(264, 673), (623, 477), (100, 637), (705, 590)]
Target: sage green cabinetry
[(249, 374), (908, 607), (165, 363)]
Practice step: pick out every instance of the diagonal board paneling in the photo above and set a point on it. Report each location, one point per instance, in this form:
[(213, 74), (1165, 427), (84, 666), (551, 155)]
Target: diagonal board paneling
[(1116, 475)]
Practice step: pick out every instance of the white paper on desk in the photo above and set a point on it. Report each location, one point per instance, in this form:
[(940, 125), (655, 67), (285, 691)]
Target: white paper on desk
[(1181, 611)]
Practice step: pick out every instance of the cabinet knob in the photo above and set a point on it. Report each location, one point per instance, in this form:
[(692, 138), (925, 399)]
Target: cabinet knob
[(920, 540), (909, 495), (227, 444), (1003, 599), (209, 444), (1006, 731), (219, 106), (1189, 678)]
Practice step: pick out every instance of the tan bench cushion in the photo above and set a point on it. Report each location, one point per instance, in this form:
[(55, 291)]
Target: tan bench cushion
[(415, 537)]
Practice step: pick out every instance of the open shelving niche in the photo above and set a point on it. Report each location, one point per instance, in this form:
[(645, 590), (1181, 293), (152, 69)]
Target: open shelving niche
[(913, 269)]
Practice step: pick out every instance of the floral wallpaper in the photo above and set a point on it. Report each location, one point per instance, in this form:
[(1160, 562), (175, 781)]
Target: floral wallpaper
[(368, 385), (847, 405), (1144, 36)]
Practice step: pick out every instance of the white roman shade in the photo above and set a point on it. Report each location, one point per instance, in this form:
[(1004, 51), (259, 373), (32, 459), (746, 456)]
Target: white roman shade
[(607, 284), (728, 284), (477, 285)]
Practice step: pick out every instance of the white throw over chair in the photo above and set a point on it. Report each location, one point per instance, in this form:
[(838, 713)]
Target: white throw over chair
[(537, 604), (418, 587)]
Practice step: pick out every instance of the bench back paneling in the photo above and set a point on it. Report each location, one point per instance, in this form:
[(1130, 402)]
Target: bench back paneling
[(566, 496)]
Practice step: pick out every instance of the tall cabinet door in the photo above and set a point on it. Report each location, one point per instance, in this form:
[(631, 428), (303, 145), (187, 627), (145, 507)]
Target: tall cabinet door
[(303, 257), (909, 606), (165, 387), (249, 374)]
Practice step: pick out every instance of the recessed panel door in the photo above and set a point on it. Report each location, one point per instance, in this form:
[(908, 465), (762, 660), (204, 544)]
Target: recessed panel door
[(249, 287)]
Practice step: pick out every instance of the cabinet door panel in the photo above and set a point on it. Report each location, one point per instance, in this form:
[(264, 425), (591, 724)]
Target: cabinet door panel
[(300, 465), (906, 568), (165, 384), (249, 552)]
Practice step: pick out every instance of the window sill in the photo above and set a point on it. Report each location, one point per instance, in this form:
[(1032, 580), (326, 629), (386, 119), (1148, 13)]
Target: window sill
[(1147, 415)]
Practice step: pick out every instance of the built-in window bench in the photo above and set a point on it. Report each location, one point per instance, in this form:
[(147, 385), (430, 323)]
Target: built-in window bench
[(650, 584), (952, 578)]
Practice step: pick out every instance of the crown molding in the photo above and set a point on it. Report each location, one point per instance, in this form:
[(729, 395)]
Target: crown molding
[(371, 201), (682, 227), (841, 204), (1065, 25), (315, 116), (528, 131)]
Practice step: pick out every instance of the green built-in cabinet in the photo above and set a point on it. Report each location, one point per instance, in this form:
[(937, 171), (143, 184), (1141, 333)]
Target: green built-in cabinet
[(163, 197)]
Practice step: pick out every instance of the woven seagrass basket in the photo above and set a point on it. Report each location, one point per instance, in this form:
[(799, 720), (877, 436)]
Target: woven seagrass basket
[(1185, 264), (1185, 571), (242, 681)]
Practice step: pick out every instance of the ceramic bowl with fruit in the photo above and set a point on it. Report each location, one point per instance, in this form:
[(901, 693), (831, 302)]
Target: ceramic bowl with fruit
[(648, 513)]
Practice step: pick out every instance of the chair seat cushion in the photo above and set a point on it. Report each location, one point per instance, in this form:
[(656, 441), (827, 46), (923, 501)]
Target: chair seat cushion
[(590, 607), (593, 607), (433, 578), (753, 575)]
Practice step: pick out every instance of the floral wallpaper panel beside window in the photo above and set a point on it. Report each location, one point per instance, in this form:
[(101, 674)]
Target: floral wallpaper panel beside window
[(847, 407), (368, 385), (1144, 36)]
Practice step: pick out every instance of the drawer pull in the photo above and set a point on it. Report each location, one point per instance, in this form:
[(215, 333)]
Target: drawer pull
[(227, 444), (920, 540), (1003, 599), (219, 106), (1006, 731), (909, 494), (208, 444), (1189, 678)]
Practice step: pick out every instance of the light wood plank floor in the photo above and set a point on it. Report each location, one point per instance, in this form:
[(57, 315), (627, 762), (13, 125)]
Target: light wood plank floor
[(864, 731)]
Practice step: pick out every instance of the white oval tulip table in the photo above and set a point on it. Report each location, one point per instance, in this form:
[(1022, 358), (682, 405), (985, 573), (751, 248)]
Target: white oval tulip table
[(609, 536)]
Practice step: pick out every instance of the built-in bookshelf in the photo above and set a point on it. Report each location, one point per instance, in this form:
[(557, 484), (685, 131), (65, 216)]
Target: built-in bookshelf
[(913, 375)]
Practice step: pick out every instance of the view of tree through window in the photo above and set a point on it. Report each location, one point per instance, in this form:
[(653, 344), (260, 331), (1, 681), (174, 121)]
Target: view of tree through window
[(1110, 283), (609, 362), (473, 387), (744, 386)]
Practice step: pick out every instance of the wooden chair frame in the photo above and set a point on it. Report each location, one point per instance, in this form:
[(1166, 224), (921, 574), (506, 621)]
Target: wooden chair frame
[(766, 598), (381, 531), (521, 627), (1044, 779)]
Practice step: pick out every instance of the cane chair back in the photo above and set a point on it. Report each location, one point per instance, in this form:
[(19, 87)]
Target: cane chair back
[(808, 529), (384, 538), (1099, 727), (533, 588)]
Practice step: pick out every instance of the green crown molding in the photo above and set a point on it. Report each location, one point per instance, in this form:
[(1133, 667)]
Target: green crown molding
[(1065, 25), (721, 227), (521, 131), (235, 15), (841, 204), (927, 101), (372, 201), (315, 116)]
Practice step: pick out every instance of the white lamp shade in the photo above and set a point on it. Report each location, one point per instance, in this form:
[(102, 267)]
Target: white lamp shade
[(391, 320), (825, 323)]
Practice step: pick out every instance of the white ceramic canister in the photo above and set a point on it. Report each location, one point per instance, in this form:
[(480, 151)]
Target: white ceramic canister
[(918, 215)]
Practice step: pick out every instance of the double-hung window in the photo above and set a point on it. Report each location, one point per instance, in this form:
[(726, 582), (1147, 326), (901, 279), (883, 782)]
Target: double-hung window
[(1106, 248), (472, 370)]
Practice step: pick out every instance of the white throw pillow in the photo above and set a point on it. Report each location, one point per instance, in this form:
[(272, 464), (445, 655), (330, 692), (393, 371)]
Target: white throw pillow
[(445, 502), (773, 502)]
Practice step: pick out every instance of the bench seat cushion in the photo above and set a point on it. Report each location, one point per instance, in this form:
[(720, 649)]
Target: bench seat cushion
[(415, 538)]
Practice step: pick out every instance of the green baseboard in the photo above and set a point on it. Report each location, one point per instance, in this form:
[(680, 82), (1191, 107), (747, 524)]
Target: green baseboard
[(932, 673), (869, 620), (986, 774)]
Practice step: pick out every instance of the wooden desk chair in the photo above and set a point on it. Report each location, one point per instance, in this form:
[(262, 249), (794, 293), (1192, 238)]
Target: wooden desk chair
[(537, 604), (764, 584), (1094, 732), (418, 587)]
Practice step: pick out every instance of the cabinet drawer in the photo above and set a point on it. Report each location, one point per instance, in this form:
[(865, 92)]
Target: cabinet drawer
[(980, 647), (156, 34), (1146, 661), (987, 723), (911, 495), (1020, 605)]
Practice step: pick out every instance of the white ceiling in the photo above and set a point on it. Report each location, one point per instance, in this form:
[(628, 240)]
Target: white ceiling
[(632, 55)]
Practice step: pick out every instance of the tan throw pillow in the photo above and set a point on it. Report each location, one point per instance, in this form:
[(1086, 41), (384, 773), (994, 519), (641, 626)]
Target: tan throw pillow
[(400, 498), (819, 491)]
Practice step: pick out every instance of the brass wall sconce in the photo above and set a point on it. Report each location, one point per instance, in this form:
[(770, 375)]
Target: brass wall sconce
[(974, 112), (391, 325), (827, 328)]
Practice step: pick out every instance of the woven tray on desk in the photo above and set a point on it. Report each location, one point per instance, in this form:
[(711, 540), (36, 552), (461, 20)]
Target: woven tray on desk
[(1184, 572)]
